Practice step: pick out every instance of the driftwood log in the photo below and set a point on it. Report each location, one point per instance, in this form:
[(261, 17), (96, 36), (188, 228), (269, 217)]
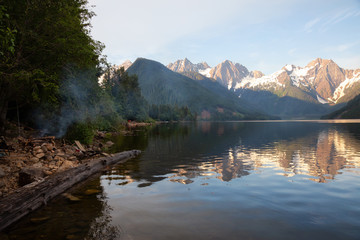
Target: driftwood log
[(36, 194)]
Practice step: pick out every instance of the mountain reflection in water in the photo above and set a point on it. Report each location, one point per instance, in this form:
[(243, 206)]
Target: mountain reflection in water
[(218, 180), (317, 151)]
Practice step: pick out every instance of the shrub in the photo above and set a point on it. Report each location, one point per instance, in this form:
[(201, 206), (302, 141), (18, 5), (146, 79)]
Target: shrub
[(82, 132)]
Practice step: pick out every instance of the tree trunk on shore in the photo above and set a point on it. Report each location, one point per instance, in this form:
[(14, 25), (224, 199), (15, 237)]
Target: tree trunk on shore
[(4, 100), (3, 109), (36, 194)]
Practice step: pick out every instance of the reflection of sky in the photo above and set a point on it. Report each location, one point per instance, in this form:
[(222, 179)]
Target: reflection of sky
[(244, 191), (235, 189), (332, 152), (318, 157), (241, 31)]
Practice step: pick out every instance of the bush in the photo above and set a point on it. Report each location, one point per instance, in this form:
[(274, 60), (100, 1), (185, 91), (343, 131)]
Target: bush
[(82, 132), (109, 122)]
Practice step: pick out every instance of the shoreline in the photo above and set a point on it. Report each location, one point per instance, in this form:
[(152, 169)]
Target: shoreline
[(39, 157), (36, 194)]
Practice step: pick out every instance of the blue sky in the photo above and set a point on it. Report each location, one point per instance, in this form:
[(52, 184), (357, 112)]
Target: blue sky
[(262, 35)]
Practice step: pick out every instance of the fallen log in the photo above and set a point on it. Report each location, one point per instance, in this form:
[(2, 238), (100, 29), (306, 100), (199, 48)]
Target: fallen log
[(36, 194)]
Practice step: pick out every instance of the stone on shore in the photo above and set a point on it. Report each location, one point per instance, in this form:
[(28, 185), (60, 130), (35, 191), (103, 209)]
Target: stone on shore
[(2, 173), (109, 144), (66, 165), (70, 197), (30, 174)]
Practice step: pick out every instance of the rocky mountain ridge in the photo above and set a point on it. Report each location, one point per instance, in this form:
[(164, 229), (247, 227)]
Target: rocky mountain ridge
[(207, 98), (321, 81), (187, 66)]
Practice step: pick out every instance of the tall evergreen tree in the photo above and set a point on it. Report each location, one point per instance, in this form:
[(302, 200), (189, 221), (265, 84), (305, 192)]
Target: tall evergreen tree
[(43, 42), (126, 94)]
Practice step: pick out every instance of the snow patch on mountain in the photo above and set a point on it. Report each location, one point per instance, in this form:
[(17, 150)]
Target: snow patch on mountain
[(230, 84), (187, 66), (298, 75), (321, 100), (340, 90), (205, 72), (250, 82), (326, 79), (288, 67)]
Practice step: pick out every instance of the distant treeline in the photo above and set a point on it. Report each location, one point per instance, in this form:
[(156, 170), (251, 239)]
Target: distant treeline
[(49, 71), (350, 111)]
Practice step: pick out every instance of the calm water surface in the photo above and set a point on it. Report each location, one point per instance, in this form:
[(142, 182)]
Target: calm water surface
[(206, 180)]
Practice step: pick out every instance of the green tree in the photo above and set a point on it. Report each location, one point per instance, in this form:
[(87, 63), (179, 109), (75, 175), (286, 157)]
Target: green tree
[(49, 42), (7, 49), (126, 94)]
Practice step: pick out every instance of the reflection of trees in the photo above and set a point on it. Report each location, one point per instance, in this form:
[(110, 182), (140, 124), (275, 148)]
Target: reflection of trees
[(136, 140), (101, 227), (232, 150), (231, 167), (328, 162), (320, 156), (88, 218)]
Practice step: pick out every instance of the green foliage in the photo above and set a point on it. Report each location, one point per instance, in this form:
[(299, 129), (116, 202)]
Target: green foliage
[(170, 113), (126, 94), (194, 76), (161, 86), (109, 122), (350, 111), (44, 42), (7, 36), (286, 106), (82, 132)]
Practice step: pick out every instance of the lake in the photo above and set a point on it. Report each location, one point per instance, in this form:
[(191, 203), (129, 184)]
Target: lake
[(217, 180)]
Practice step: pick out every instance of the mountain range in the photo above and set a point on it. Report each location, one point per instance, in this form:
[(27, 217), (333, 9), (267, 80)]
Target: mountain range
[(322, 80), (226, 73), (292, 92), (207, 98)]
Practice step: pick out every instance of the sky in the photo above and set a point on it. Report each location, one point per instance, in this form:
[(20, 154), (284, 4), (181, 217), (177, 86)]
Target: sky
[(262, 35)]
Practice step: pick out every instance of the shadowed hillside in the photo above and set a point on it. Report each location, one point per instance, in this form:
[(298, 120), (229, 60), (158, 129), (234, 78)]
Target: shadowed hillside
[(209, 100), (350, 111)]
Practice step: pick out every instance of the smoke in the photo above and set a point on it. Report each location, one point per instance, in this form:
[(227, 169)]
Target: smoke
[(80, 101)]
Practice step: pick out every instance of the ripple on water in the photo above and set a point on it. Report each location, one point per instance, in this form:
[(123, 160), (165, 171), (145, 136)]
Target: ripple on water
[(289, 180)]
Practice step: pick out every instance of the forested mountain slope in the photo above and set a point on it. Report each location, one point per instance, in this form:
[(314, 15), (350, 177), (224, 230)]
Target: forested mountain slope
[(159, 85)]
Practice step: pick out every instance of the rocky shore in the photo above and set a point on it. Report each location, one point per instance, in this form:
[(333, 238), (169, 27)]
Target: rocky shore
[(25, 160), (28, 157)]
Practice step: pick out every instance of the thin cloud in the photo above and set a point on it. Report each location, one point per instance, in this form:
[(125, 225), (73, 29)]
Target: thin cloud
[(341, 48), (339, 17), (145, 28), (165, 31), (310, 24), (292, 51), (347, 46), (254, 54)]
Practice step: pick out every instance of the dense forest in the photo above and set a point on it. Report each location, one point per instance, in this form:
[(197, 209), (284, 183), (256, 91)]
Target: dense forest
[(206, 97), (50, 68), (350, 111)]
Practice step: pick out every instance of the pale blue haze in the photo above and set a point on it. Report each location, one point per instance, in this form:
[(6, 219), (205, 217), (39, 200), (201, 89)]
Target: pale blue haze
[(260, 34)]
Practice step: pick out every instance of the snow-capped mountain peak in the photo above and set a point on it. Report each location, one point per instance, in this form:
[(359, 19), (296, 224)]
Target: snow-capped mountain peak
[(187, 66), (206, 72), (321, 80)]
